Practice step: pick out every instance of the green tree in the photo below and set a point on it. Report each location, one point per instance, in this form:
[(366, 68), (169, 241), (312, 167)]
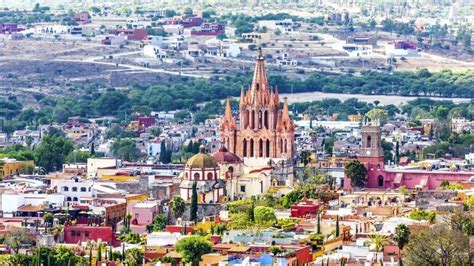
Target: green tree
[(192, 248), (337, 226), (177, 206), (402, 236), (134, 257), (188, 12), (159, 222), (305, 157), (438, 245), (52, 151), (125, 149), (77, 157), (193, 208), (264, 216), (17, 238), (377, 116), (357, 173)]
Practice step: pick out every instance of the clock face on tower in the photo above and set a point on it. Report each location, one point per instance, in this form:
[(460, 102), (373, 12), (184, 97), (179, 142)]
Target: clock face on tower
[(368, 152)]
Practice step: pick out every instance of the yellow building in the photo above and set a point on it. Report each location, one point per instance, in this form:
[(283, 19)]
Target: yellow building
[(10, 167)]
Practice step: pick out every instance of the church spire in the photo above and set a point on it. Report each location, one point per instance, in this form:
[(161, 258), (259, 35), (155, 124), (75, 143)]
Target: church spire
[(228, 119), (259, 82), (242, 97)]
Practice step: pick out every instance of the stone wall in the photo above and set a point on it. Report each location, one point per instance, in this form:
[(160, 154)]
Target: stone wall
[(204, 210), (425, 199)]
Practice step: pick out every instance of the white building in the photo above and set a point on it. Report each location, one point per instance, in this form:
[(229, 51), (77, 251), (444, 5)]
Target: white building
[(74, 189), (93, 164), (12, 201)]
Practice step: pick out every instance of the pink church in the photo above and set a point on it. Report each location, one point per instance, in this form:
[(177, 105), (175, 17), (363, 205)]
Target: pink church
[(371, 155)]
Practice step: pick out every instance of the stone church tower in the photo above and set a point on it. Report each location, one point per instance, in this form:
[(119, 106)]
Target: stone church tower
[(264, 130)]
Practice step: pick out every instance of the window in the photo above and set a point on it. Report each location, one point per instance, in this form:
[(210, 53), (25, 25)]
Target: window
[(380, 181), (78, 233), (369, 141), (74, 199), (73, 233), (209, 176), (242, 189), (83, 189), (65, 189), (196, 176), (74, 189), (68, 199), (245, 148), (86, 233)]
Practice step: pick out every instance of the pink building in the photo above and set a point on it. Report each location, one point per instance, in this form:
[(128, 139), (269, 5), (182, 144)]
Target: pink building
[(82, 17), (144, 212), (371, 155)]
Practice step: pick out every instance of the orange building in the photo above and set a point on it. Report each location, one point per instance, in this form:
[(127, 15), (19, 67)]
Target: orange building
[(265, 130)]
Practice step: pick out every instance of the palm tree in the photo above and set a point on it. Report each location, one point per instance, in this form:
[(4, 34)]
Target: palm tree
[(377, 242), (402, 235), (56, 231)]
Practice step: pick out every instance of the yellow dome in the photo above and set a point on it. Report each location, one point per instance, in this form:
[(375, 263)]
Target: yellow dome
[(201, 160)]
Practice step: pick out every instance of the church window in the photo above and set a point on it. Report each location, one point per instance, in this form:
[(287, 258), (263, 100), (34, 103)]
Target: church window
[(260, 148), (209, 176), (196, 176), (260, 119), (369, 141), (251, 148), (245, 148), (230, 169), (252, 120), (281, 145), (286, 146), (246, 118), (380, 181), (265, 118), (267, 148)]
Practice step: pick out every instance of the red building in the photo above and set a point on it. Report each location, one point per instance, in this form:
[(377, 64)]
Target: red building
[(209, 29), (132, 34), (178, 229), (83, 233), (191, 22), (304, 208)]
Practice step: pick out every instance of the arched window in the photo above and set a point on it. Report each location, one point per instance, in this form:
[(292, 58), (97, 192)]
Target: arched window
[(281, 145), (74, 199), (83, 189), (260, 148), (186, 175), (246, 118), (196, 176), (380, 181), (230, 169), (265, 119), (252, 120), (209, 176), (65, 189), (74, 189), (245, 148), (267, 148), (369, 141), (260, 118), (68, 199), (286, 146), (251, 148)]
